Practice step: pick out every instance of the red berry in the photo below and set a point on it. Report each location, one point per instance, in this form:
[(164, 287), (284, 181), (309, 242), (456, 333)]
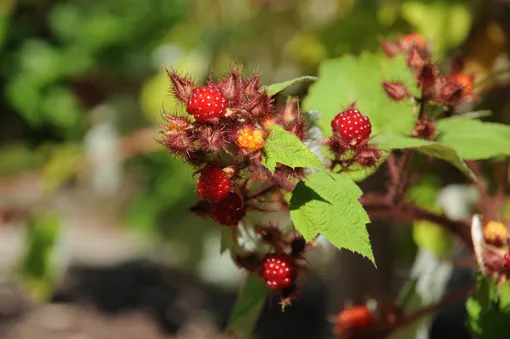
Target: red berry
[(278, 270), (228, 211), (207, 103), (352, 126), (213, 184), (357, 317)]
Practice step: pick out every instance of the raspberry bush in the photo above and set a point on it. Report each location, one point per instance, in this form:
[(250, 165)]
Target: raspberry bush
[(256, 152)]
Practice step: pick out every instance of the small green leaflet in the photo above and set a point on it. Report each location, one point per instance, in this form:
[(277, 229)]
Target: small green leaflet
[(281, 86), (328, 204), (489, 310), (248, 306), (431, 148), (285, 148), (474, 139), (349, 79)]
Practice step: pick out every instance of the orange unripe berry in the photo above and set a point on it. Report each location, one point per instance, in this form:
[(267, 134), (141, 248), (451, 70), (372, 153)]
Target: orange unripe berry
[(464, 81), (413, 40), (495, 233), (250, 139)]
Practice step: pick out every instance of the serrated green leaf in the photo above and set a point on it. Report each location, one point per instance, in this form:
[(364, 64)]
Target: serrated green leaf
[(489, 310), (348, 79), (431, 148), (247, 308), (285, 148), (281, 86), (474, 139), (329, 205)]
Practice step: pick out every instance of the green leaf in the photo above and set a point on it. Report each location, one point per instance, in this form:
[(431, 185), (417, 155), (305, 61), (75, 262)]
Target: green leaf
[(285, 148), (489, 310), (347, 79), (37, 270), (431, 148), (474, 139), (447, 22), (329, 205), (248, 306), (281, 86)]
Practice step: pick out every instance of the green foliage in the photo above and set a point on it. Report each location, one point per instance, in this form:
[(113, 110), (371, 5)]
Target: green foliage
[(474, 139), (430, 148), (329, 205), (37, 269), (446, 22), (248, 307), (285, 148), (349, 79), (281, 86), (489, 310)]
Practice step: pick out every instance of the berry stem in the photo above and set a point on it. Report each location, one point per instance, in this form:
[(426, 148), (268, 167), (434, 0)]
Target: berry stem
[(266, 190)]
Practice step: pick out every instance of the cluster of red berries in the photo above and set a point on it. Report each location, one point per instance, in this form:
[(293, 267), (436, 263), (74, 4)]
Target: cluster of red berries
[(438, 90), (280, 268), (350, 142), (224, 141)]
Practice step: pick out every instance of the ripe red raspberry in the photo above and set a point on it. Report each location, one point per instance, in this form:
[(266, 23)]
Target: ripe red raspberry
[(213, 184), (228, 211), (207, 103), (352, 126), (354, 318), (278, 270)]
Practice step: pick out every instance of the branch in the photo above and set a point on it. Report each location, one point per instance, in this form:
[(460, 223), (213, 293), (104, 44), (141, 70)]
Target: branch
[(378, 208)]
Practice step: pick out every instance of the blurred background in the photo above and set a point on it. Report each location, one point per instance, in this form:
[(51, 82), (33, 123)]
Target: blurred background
[(95, 237)]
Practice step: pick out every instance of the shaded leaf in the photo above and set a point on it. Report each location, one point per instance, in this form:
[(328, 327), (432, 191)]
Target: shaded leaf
[(247, 308), (431, 148), (281, 86), (329, 206), (474, 139)]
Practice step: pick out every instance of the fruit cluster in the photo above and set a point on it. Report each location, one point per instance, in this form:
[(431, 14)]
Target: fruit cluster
[(440, 92), (350, 144), (222, 136)]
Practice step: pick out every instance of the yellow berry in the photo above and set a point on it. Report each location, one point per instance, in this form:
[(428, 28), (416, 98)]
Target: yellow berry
[(495, 233), (250, 139)]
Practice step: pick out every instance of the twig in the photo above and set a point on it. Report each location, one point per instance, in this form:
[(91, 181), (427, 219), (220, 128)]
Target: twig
[(378, 207), (263, 192)]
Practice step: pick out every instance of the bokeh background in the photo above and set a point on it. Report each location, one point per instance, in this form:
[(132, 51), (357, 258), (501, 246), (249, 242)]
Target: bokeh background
[(95, 237)]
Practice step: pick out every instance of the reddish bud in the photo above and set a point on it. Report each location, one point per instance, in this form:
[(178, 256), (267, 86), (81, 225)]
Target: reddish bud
[(390, 48), (179, 143), (412, 41), (354, 318), (252, 86), (424, 129), (182, 87), (232, 86), (457, 64), (428, 79), (211, 139), (415, 59), (396, 90), (367, 157), (290, 112), (260, 105), (175, 123)]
